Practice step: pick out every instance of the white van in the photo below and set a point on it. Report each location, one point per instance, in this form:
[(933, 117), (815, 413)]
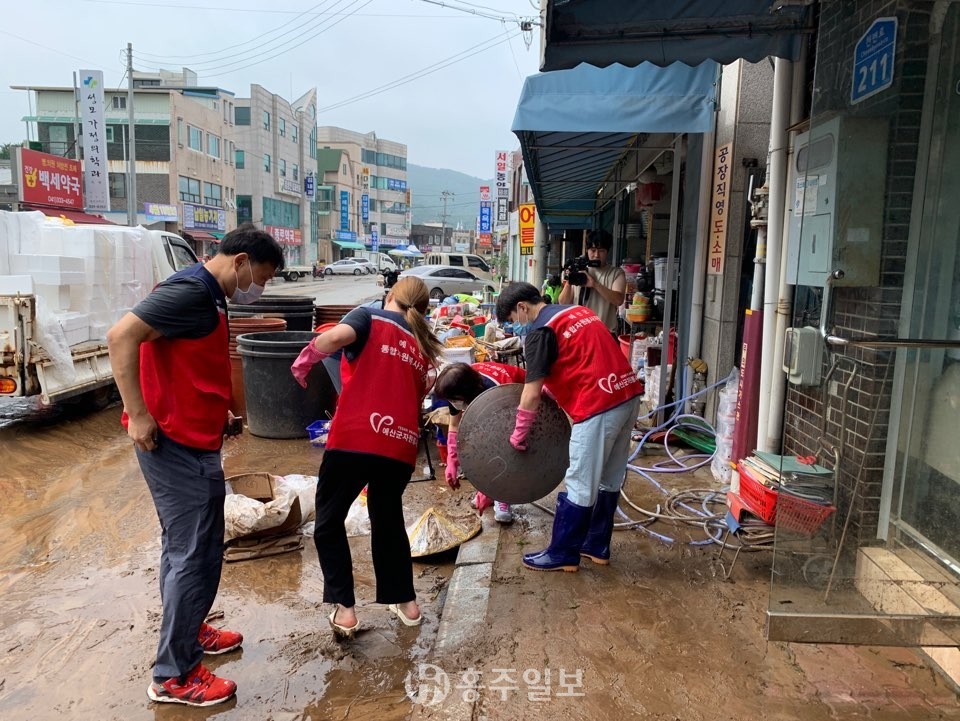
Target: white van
[(474, 263)]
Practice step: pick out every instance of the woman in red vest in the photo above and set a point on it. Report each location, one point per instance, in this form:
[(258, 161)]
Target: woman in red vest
[(571, 354), (373, 442), (459, 384)]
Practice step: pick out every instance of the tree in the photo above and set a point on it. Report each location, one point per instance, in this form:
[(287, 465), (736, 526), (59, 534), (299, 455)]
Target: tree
[(6, 150)]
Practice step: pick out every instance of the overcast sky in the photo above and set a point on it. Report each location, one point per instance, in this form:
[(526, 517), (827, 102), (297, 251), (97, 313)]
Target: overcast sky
[(456, 117)]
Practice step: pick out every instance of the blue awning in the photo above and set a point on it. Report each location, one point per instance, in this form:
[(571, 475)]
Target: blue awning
[(576, 126), (630, 32)]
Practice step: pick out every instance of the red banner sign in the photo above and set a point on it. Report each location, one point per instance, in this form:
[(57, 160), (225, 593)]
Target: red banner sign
[(50, 180), (285, 236)]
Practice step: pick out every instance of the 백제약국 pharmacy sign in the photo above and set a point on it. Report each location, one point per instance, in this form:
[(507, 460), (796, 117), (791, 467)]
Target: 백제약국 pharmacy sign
[(50, 180)]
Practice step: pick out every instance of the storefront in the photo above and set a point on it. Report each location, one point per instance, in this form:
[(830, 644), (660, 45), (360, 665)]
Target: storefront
[(205, 225), (291, 240), (864, 265)]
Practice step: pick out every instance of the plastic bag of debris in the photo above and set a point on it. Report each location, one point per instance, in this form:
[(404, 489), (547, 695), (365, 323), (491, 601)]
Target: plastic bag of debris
[(259, 505), (434, 532), (358, 517)]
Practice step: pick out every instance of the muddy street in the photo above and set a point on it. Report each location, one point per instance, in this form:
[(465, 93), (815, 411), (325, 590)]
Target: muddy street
[(79, 551)]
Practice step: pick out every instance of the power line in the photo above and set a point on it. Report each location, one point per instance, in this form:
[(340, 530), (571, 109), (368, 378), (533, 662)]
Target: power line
[(93, 65), (423, 72), (258, 11), (320, 25), (238, 45)]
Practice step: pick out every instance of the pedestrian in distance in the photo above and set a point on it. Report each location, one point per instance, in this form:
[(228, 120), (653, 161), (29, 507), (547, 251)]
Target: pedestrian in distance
[(171, 362), (459, 384), (570, 354), (373, 442)]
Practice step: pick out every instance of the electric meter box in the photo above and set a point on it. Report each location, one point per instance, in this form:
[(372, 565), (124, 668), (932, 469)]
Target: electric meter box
[(803, 356), (837, 203)]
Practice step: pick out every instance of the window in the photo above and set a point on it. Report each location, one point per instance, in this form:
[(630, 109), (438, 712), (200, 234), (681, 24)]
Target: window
[(118, 185), (58, 140), (212, 195), (296, 172), (239, 155), (456, 260), (475, 262), (373, 205), (266, 120), (109, 133), (283, 127), (226, 111), (295, 134), (213, 145), (344, 168), (368, 156), (229, 151), (266, 163), (241, 116), (196, 138), (244, 208), (283, 168), (181, 132), (189, 190), (119, 102)]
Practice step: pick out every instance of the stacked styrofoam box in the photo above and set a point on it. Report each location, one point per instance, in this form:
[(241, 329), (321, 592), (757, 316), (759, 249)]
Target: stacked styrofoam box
[(50, 270), (75, 326)]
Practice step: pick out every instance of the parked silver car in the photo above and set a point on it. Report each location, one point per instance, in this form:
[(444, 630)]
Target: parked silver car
[(444, 280), (350, 266)]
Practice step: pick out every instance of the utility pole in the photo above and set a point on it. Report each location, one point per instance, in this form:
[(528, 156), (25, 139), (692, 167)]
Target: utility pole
[(445, 195), (76, 122), (131, 138)]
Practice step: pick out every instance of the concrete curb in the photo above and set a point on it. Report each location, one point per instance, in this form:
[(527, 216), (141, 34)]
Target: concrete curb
[(468, 593)]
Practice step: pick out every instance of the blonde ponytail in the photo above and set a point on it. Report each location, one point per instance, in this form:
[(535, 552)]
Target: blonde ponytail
[(411, 295)]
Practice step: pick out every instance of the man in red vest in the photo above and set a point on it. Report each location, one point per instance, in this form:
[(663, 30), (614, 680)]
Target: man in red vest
[(570, 353), (171, 361)]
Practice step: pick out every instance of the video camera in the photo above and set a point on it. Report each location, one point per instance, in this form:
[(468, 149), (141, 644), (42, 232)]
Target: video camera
[(575, 269)]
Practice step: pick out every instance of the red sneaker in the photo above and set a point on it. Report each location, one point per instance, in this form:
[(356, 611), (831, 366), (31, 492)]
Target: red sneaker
[(201, 688), (218, 640)]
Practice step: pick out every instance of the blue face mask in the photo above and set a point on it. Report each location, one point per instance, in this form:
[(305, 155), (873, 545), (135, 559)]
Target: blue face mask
[(522, 329)]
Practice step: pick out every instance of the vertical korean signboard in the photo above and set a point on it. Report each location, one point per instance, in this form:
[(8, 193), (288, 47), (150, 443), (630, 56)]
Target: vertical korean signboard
[(344, 210), (365, 208), (94, 134), (528, 222), (503, 189), (719, 210)]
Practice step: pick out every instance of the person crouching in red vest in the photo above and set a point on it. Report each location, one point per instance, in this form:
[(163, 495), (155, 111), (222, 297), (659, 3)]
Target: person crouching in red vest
[(571, 355), (459, 384), (171, 361), (373, 442)]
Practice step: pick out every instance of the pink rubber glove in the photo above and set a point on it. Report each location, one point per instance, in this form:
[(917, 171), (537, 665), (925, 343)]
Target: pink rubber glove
[(481, 502), (307, 359), (525, 419), (453, 461)]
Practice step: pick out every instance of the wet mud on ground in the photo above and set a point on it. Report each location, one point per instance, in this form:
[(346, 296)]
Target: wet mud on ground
[(79, 552), (659, 635)]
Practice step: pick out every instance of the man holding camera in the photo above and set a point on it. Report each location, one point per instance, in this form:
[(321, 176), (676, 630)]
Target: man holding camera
[(600, 286)]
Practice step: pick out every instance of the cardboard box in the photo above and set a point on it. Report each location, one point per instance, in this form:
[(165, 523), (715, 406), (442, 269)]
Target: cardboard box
[(260, 486)]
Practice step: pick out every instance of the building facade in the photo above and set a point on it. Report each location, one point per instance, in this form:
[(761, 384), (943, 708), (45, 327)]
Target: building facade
[(275, 156), (184, 135), (375, 204)]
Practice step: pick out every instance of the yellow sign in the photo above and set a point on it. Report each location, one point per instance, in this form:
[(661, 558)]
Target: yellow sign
[(719, 210), (528, 223)]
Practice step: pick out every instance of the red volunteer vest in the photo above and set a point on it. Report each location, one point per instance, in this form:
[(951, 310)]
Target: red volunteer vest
[(500, 373), (186, 381), (379, 407), (590, 375)]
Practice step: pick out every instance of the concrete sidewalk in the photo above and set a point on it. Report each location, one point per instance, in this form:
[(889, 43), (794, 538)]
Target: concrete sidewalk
[(658, 634)]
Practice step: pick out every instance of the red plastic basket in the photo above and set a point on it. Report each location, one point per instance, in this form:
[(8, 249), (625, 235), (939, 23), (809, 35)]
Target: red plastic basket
[(781, 509)]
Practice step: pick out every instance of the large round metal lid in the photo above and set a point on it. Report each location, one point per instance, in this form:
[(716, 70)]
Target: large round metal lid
[(493, 466)]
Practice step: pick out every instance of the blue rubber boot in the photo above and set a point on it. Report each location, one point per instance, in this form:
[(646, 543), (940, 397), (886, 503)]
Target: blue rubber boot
[(569, 529), (596, 547)]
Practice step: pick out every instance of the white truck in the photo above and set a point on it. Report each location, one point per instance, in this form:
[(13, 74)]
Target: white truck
[(382, 261), (61, 288)]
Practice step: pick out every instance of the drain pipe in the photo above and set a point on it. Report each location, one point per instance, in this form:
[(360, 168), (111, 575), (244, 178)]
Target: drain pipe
[(776, 182), (695, 337), (778, 382)]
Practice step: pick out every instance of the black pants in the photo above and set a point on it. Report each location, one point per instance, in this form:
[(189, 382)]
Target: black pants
[(342, 476)]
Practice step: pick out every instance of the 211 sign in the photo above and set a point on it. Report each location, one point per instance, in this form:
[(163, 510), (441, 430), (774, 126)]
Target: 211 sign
[(873, 58)]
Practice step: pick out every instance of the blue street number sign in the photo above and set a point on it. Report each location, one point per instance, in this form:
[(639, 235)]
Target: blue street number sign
[(873, 58)]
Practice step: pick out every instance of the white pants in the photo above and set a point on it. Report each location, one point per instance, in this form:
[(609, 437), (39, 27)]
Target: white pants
[(599, 448)]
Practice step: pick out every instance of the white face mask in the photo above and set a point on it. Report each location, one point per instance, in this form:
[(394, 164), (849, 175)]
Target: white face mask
[(250, 295)]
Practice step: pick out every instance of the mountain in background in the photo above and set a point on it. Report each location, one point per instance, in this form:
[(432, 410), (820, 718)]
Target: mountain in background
[(426, 184)]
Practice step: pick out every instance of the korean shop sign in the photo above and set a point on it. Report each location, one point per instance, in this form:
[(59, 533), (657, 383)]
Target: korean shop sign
[(94, 134), (50, 180)]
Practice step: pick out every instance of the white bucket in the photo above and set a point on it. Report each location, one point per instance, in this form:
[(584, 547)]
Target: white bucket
[(660, 273), (458, 355)]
